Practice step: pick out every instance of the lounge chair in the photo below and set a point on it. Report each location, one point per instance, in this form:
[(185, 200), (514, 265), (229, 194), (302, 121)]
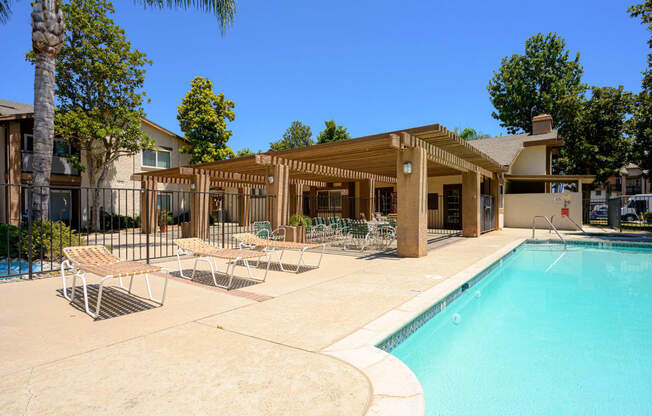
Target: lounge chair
[(99, 261), (205, 251), (273, 247), (359, 233)]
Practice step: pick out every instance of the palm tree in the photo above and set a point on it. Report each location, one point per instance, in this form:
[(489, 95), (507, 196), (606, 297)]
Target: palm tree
[(48, 34)]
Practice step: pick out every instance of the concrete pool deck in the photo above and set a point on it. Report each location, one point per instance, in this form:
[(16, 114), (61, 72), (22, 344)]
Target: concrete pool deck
[(264, 349)]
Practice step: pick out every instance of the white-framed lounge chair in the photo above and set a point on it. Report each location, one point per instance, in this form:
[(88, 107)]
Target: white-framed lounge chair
[(99, 261), (274, 247), (204, 251)]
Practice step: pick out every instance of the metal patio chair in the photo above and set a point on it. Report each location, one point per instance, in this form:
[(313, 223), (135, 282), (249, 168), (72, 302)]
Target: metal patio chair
[(263, 229)]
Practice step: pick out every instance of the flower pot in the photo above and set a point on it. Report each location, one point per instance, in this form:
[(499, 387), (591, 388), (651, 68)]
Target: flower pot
[(164, 228), (295, 234)]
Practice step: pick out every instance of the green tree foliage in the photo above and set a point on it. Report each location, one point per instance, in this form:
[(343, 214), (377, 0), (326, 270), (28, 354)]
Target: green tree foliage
[(99, 89), (332, 133), (595, 142), (244, 152), (471, 134), (640, 126), (543, 80), (297, 135), (202, 117)]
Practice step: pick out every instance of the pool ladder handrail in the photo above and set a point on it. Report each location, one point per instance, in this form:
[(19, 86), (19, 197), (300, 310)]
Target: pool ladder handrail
[(579, 227), (552, 227)]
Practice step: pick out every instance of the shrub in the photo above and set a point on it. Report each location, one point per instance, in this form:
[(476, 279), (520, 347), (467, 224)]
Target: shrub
[(183, 217), (297, 220), (9, 240), (48, 238), (164, 217), (110, 221)]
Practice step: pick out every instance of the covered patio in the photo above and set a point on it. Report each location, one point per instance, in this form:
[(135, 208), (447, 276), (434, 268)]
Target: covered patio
[(400, 161)]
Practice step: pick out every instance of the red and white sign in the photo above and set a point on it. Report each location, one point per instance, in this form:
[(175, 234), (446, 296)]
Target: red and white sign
[(564, 211)]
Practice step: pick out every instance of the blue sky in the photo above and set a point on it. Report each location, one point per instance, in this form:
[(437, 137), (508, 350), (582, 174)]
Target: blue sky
[(372, 66)]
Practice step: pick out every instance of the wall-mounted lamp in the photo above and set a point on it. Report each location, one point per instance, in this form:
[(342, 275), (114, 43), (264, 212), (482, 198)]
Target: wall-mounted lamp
[(270, 178), (407, 168), (192, 186)]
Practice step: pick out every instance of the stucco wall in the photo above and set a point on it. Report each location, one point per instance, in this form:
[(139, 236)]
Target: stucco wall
[(531, 161), (521, 208)]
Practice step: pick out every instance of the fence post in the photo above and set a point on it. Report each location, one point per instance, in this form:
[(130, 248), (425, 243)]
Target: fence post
[(30, 198), (147, 223)]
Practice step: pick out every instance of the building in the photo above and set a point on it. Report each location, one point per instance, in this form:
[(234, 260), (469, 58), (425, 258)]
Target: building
[(632, 181), (70, 196)]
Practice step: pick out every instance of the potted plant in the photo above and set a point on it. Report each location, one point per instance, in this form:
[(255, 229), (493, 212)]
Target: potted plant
[(163, 220), (295, 230)]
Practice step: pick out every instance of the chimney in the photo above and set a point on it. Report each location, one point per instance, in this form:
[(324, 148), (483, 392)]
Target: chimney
[(541, 124)]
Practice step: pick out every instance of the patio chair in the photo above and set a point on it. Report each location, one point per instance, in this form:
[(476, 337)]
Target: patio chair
[(263, 229), (360, 233), (315, 232), (385, 235), (99, 261), (274, 247), (205, 251)]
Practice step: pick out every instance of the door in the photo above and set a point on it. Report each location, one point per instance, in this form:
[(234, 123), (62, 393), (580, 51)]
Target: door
[(453, 206), (61, 205)]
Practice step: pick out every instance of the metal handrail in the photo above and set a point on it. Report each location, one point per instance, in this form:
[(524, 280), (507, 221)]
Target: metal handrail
[(552, 227), (579, 227)]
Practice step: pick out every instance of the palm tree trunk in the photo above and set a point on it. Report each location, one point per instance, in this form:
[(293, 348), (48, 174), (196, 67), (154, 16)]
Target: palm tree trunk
[(48, 32), (43, 133)]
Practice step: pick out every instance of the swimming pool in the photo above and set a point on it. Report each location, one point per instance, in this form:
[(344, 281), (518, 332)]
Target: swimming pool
[(10, 270), (545, 332)]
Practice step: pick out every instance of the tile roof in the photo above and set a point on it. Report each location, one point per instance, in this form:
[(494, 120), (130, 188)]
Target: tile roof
[(505, 149), (10, 108)]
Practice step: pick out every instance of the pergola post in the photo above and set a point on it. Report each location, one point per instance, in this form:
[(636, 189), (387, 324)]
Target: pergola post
[(471, 201), (495, 191), (13, 172), (296, 199), (367, 188), (244, 194), (313, 201), (200, 206), (148, 205), (278, 192), (412, 190)]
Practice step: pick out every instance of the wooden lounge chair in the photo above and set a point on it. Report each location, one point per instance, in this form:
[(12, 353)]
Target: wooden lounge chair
[(99, 261), (205, 251), (274, 247)]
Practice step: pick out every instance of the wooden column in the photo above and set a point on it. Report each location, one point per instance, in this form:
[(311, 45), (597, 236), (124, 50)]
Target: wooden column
[(200, 206), (278, 204), (367, 188), (471, 204), (412, 204), (495, 191), (148, 205), (14, 164), (296, 199), (244, 195), (313, 201)]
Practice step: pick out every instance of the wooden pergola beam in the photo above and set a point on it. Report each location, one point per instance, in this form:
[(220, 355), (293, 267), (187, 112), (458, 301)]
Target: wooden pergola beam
[(224, 183), (442, 157), (309, 168)]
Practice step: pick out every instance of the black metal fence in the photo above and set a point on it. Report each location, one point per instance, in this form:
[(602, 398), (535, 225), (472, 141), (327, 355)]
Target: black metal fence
[(116, 218), (487, 214), (626, 212)]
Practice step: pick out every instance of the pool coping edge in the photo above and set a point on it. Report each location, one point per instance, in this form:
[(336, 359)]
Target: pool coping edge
[(395, 388)]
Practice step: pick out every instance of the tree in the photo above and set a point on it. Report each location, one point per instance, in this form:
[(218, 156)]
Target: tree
[(297, 135), (543, 80), (471, 134), (202, 118), (640, 125), (244, 152), (48, 31), (99, 88), (595, 142), (332, 133)]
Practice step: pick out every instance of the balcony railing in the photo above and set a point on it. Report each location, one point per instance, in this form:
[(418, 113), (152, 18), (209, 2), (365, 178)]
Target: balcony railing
[(60, 166)]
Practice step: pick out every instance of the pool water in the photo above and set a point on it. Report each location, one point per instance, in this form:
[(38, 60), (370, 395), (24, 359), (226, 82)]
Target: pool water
[(548, 332), (11, 269)]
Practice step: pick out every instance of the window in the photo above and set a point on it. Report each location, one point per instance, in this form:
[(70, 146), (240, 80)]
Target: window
[(259, 192), (28, 143), (329, 200), (164, 201), (156, 158), (433, 201)]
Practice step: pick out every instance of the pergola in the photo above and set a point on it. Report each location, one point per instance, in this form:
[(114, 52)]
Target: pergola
[(404, 157)]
